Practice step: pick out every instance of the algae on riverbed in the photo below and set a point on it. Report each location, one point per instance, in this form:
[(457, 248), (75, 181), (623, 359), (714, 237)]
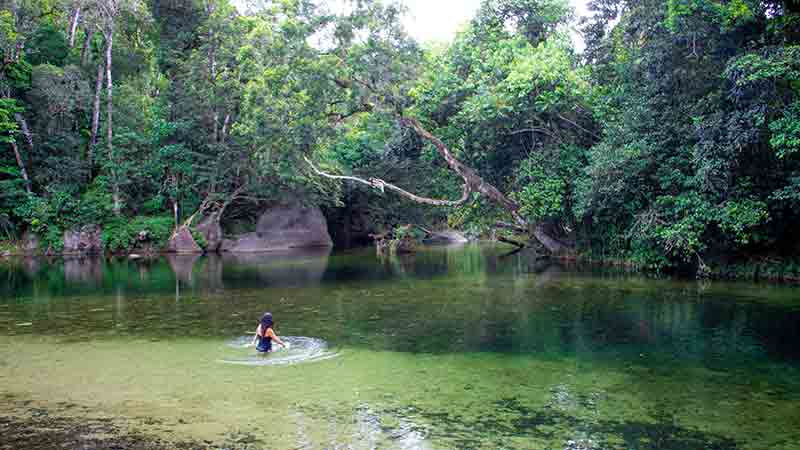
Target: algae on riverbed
[(461, 350)]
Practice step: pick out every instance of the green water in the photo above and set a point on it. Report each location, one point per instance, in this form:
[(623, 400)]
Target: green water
[(450, 348)]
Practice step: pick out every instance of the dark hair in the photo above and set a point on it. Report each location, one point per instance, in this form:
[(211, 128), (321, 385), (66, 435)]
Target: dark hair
[(266, 322)]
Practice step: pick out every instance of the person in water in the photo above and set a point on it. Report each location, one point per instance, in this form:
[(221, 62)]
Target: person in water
[(265, 334)]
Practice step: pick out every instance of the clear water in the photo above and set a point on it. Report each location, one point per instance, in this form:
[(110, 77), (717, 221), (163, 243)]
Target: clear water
[(451, 348)]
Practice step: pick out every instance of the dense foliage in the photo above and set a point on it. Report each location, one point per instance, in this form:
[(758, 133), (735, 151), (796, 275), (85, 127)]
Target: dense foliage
[(672, 140)]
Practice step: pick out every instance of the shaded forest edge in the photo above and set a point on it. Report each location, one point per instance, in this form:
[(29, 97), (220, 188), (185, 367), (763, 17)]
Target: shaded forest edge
[(671, 143)]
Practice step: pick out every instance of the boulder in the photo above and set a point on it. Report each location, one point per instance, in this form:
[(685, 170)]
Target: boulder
[(30, 244), (446, 238), (284, 227), (182, 242), (211, 230), (86, 240)]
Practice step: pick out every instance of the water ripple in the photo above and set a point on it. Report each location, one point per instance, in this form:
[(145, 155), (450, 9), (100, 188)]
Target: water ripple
[(301, 350)]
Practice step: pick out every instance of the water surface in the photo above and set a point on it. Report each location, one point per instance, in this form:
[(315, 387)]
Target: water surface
[(450, 348)]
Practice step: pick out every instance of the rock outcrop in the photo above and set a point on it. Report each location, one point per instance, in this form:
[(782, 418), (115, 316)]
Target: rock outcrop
[(86, 240), (182, 242), (284, 227), (211, 230), (30, 244)]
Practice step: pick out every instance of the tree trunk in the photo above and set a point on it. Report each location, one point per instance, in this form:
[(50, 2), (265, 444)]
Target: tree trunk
[(73, 25), (109, 95), (478, 184), (175, 215), (215, 120), (23, 126), (98, 87), (225, 128), (552, 244), (510, 241), (22, 169), (87, 42), (472, 183), (116, 194), (475, 181)]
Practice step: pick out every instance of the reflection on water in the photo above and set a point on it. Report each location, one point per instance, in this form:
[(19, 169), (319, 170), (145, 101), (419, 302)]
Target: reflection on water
[(450, 348), (442, 300)]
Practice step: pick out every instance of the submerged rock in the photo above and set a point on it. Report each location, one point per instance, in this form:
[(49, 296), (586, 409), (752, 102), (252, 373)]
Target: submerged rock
[(284, 227), (446, 238)]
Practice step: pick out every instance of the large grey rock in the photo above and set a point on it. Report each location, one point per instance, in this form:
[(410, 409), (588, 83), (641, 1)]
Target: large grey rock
[(211, 230), (284, 227), (30, 244), (86, 240), (182, 242)]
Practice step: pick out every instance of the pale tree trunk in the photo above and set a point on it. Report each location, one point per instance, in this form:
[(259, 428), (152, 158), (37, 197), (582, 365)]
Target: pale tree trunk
[(225, 128), (22, 169), (87, 42), (23, 126), (73, 25), (109, 95), (215, 120), (116, 194), (98, 88), (478, 184)]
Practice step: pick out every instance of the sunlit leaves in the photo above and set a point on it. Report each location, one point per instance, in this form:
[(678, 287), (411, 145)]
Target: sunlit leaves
[(542, 194), (786, 132), (8, 125)]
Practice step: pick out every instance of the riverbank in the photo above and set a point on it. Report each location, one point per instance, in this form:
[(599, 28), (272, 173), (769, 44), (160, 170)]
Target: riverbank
[(775, 270), (757, 269)]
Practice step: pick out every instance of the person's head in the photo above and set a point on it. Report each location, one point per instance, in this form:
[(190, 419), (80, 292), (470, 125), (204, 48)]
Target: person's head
[(266, 321)]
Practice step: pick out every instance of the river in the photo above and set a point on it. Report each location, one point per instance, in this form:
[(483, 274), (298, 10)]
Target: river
[(450, 348)]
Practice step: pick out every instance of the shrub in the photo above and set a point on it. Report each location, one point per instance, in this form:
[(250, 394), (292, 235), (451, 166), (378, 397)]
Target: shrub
[(124, 234)]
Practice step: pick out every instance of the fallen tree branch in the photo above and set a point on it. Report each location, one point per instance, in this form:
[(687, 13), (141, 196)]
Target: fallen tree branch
[(511, 226), (382, 185), (576, 125), (423, 229), (472, 183), (471, 178), (506, 240)]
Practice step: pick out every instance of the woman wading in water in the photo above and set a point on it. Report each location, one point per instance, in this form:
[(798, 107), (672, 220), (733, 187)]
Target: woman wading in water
[(265, 335)]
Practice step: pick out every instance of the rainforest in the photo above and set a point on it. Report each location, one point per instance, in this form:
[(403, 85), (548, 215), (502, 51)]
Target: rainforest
[(669, 142)]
